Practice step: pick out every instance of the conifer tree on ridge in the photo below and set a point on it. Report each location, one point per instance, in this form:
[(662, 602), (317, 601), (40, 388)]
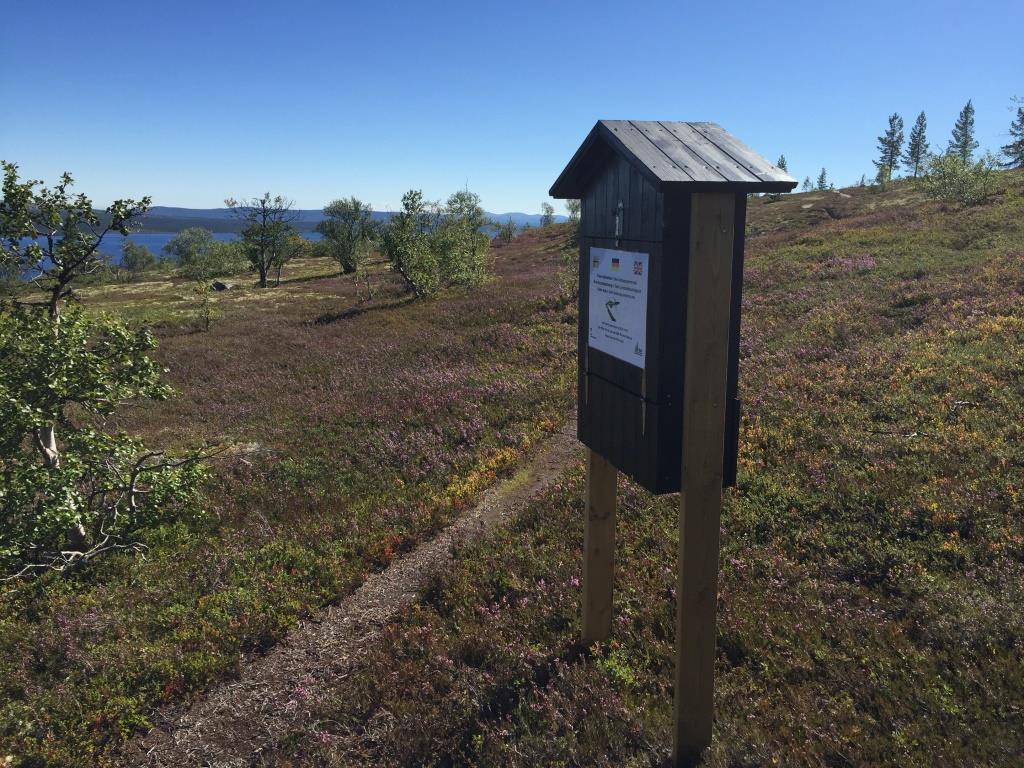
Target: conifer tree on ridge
[(962, 143), (890, 146), (1014, 151), (917, 146)]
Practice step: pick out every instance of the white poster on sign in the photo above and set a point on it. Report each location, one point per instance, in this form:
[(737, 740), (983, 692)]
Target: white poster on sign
[(618, 304)]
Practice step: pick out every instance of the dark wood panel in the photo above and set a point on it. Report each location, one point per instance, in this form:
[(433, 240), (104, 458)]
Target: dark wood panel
[(582, 422), (596, 221), (631, 434), (620, 181), (616, 416), (659, 211), (623, 171), (634, 229)]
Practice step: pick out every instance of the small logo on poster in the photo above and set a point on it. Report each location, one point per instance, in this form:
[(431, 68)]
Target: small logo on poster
[(595, 262), (638, 267), (615, 265)]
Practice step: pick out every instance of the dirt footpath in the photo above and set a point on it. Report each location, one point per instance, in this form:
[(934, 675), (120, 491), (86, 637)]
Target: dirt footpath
[(236, 722)]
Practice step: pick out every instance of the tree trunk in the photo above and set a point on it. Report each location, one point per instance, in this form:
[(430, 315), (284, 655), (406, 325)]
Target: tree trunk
[(76, 538), (46, 439), (53, 305), (263, 275)]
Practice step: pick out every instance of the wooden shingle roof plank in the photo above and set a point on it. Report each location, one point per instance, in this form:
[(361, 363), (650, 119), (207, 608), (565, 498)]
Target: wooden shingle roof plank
[(677, 151), (659, 166), (718, 159), (740, 152)]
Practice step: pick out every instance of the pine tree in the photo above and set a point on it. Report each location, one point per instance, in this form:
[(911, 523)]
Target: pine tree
[(890, 146), (822, 180), (962, 144), (917, 146), (1014, 151), (807, 184), (781, 164)]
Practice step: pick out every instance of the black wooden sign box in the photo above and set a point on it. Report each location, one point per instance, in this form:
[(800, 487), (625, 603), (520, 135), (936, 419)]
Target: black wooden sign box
[(634, 180)]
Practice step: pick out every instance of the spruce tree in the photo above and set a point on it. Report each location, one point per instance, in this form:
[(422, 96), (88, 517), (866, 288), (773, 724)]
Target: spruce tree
[(807, 184), (962, 144), (917, 146), (1014, 151), (822, 180), (781, 164), (890, 146)]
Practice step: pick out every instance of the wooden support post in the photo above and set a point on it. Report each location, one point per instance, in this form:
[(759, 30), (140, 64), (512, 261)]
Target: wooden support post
[(707, 348), (598, 549)]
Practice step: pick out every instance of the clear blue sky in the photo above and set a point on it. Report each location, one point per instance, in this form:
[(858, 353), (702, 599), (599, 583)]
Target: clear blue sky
[(193, 102)]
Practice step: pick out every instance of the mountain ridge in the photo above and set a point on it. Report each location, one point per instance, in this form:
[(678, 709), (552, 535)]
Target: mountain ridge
[(164, 218)]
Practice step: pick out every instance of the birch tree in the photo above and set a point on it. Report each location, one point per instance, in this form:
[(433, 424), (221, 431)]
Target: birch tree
[(266, 227), (70, 490), (348, 224)]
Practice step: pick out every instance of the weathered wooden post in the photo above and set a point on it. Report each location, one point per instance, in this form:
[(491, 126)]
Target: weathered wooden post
[(598, 549), (663, 211)]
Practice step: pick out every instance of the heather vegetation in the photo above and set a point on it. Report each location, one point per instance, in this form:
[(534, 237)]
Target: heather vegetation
[(872, 551), (872, 557), (347, 437)]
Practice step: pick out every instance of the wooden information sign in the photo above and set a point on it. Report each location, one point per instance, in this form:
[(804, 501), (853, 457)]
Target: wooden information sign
[(662, 217)]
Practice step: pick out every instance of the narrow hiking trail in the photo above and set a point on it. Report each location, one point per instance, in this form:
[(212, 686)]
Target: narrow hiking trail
[(237, 722)]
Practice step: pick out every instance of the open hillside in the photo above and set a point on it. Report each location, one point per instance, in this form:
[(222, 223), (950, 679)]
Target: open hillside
[(870, 609)]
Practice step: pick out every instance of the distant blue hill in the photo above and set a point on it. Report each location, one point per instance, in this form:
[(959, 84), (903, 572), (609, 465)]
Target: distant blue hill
[(162, 218)]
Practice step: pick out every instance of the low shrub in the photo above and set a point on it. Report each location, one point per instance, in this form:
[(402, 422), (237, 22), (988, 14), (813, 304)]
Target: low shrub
[(950, 177)]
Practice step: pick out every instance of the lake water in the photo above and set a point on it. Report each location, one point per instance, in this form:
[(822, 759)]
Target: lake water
[(111, 244), (155, 241)]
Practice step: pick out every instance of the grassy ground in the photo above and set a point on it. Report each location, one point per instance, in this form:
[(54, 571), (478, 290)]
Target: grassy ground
[(870, 611), (354, 435), (872, 553)]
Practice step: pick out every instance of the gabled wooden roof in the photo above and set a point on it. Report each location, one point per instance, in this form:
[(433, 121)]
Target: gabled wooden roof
[(696, 157)]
